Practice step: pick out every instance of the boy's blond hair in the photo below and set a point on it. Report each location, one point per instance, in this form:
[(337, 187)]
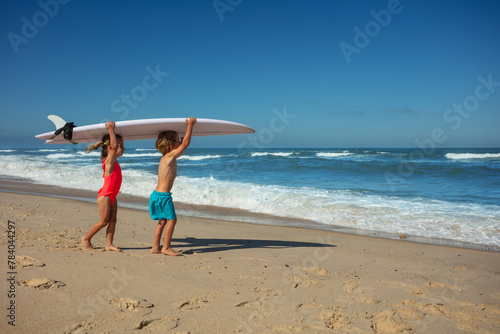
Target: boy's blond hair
[(164, 141)]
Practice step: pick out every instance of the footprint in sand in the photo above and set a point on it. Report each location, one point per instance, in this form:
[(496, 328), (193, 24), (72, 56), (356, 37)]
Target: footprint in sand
[(41, 283), (130, 304), (304, 283), (437, 289), (365, 300), (388, 321), (460, 268), (272, 297), (436, 285), (79, 328), (161, 325), (258, 302), (193, 304), (23, 261), (409, 312), (316, 270), (203, 267), (351, 287), (309, 305), (427, 308), (418, 293), (335, 319), (76, 329)]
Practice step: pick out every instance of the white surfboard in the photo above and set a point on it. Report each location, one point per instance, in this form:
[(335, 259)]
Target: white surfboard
[(141, 129)]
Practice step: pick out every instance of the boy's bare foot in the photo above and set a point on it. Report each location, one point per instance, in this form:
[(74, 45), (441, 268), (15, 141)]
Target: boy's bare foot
[(112, 248), (155, 251), (170, 251), (87, 245)]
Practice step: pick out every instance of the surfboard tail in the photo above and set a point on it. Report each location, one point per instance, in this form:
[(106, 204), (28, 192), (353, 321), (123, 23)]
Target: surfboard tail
[(62, 126)]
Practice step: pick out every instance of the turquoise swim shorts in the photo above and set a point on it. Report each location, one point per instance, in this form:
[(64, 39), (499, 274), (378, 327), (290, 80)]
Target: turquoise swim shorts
[(161, 206)]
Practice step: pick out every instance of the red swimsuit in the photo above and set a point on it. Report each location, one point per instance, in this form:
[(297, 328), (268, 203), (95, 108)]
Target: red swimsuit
[(112, 183)]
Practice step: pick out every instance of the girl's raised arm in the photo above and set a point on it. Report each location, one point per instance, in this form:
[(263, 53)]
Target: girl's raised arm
[(112, 136), (113, 145)]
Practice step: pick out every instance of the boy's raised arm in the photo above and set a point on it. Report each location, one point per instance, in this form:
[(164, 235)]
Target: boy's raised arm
[(187, 138)]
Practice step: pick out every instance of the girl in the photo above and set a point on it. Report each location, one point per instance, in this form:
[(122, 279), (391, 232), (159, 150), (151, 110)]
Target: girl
[(112, 148)]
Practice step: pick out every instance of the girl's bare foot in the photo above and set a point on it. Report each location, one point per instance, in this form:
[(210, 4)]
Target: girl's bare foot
[(112, 248), (87, 245), (155, 251), (170, 251)]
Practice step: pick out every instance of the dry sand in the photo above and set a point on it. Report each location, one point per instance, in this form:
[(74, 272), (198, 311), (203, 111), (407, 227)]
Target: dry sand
[(234, 278)]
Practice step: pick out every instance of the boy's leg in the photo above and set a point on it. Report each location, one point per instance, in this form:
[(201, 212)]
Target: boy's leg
[(110, 231), (157, 237), (103, 203), (169, 232)]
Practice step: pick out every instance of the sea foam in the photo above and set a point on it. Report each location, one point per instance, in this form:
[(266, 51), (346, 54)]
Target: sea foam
[(464, 156), (276, 154), (333, 154)]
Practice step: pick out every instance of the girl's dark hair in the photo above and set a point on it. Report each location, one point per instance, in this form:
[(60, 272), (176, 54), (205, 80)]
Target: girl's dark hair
[(104, 143)]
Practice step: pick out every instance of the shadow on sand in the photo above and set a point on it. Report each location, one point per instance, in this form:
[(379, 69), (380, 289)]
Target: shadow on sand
[(197, 245)]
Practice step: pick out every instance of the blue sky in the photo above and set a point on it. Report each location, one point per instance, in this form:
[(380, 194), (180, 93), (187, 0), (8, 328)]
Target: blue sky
[(340, 73)]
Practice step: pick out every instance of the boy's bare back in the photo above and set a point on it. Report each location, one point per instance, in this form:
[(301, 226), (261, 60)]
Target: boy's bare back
[(167, 170)]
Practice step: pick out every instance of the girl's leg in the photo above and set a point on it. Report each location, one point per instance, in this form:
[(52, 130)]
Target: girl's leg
[(169, 232), (156, 241), (103, 203), (110, 231)]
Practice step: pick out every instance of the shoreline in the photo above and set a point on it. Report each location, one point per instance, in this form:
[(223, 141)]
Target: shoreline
[(24, 186), (235, 277)]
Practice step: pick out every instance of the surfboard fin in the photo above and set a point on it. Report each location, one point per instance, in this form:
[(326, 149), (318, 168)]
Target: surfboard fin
[(58, 121), (62, 126)]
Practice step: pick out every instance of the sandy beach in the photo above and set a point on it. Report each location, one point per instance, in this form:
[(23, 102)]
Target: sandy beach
[(232, 278)]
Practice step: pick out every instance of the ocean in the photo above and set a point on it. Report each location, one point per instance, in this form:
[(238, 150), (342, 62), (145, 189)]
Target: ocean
[(430, 195)]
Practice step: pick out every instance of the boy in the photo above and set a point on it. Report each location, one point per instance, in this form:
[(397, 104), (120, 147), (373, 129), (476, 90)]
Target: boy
[(161, 206)]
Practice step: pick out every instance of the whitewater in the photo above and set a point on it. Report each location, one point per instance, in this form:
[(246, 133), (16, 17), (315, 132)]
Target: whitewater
[(451, 194)]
